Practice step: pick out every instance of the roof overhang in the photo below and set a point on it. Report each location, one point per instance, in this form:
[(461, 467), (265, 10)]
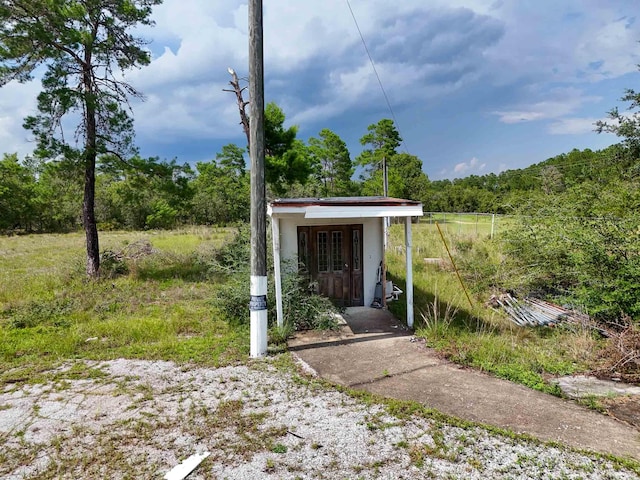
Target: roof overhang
[(345, 207)]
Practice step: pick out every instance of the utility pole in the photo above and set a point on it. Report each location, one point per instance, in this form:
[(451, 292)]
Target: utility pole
[(258, 303)]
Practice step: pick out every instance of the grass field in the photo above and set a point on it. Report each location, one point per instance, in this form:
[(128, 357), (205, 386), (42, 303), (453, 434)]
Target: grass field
[(483, 225), (163, 308), (474, 334)]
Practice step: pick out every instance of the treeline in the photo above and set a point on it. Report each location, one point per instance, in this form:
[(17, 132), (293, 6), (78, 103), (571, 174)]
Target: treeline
[(148, 193), (507, 192), (46, 195)]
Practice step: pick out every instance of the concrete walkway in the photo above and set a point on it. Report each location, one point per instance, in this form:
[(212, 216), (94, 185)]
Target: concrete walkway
[(375, 353)]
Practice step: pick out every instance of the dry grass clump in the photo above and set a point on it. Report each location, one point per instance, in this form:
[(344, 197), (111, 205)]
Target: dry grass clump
[(621, 356)]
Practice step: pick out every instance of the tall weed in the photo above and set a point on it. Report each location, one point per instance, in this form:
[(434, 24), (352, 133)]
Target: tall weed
[(479, 336)]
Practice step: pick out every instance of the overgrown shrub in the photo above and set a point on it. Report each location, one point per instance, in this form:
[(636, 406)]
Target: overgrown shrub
[(593, 263), (234, 256), (232, 298), (480, 263), (278, 335), (301, 308)]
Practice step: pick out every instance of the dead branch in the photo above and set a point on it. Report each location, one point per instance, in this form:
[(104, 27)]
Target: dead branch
[(244, 119)]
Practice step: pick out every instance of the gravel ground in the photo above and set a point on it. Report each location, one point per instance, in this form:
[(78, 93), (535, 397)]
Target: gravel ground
[(138, 419)]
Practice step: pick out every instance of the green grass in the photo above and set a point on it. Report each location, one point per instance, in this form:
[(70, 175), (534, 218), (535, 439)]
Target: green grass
[(471, 224), (461, 223), (476, 335), (162, 309), (165, 308)]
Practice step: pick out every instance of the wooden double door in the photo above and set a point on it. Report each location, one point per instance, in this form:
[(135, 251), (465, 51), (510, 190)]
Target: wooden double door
[(332, 257)]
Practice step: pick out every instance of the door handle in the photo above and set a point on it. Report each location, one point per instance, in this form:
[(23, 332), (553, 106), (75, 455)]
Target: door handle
[(346, 266)]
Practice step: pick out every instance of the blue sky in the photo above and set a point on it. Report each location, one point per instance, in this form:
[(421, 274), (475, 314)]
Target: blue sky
[(476, 86)]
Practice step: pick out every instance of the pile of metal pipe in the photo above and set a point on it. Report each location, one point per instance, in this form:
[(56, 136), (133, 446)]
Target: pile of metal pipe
[(535, 312)]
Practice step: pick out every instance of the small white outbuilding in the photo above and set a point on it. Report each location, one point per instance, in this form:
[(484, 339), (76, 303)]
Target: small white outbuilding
[(339, 242)]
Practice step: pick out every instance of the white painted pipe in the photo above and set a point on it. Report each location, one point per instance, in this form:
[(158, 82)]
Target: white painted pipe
[(275, 234), (409, 288), (258, 316)]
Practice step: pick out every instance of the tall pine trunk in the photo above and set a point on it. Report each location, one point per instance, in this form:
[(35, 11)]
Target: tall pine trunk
[(90, 152), (89, 217)]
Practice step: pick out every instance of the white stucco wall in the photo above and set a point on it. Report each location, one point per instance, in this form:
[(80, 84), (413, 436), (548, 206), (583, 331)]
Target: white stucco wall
[(372, 245)]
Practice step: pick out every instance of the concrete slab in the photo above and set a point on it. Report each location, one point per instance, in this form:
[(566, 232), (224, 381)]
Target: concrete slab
[(580, 386), (385, 359)]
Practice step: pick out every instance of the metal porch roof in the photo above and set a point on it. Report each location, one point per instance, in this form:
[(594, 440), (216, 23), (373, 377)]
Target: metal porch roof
[(346, 207)]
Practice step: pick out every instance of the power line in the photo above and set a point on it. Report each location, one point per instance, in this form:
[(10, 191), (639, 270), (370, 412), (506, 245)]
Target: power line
[(375, 70)]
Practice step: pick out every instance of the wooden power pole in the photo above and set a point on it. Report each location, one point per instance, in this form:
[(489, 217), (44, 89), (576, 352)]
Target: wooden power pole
[(258, 303)]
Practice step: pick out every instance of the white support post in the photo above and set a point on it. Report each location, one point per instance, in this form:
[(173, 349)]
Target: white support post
[(408, 242), (275, 233), (383, 272), (258, 316)]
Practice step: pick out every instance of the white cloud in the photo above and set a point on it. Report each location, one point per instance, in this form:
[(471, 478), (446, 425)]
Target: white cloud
[(566, 42), (17, 101), (516, 116), (581, 125), (557, 103), (610, 49), (472, 166), (572, 126)]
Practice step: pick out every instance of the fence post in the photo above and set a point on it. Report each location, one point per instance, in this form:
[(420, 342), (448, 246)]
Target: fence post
[(493, 221)]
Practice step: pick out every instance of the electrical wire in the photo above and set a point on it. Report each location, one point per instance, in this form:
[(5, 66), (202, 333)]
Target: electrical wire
[(375, 70)]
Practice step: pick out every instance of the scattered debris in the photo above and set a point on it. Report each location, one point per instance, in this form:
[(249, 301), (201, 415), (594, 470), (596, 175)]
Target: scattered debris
[(138, 249), (180, 472), (626, 408), (437, 261), (113, 264), (621, 357), (338, 318), (535, 312)]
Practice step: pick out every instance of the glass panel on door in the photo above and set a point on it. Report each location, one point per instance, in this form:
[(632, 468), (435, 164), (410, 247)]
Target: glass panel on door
[(336, 251)]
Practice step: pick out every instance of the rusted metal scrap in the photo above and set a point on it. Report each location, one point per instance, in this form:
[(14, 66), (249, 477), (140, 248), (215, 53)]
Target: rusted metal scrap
[(535, 312)]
